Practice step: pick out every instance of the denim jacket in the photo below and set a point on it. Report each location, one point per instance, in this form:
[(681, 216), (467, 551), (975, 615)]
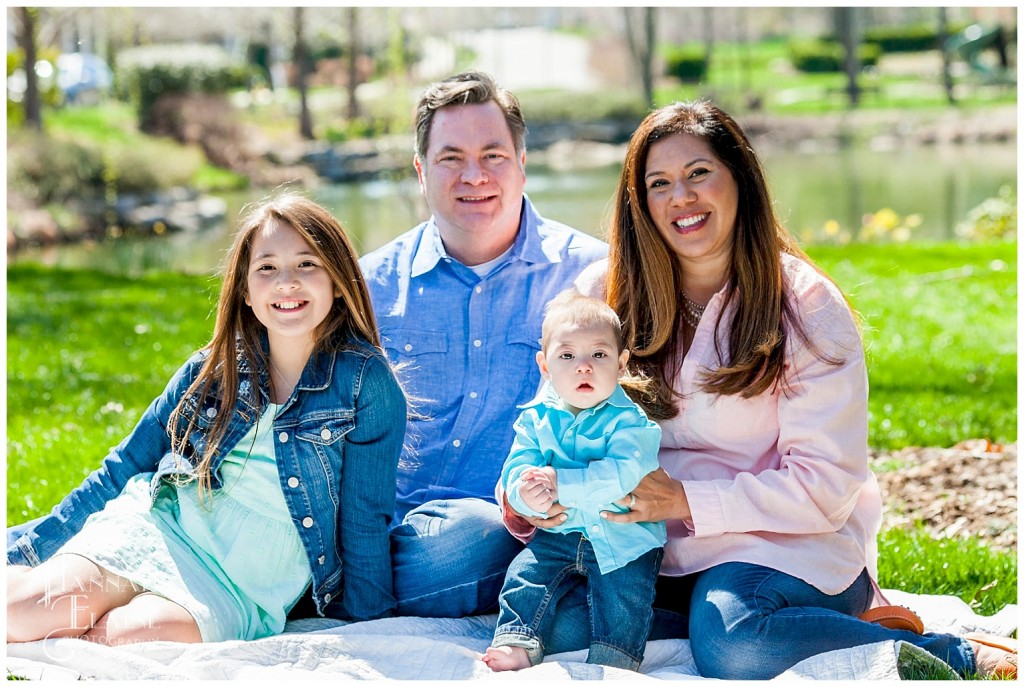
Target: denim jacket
[(337, 441)]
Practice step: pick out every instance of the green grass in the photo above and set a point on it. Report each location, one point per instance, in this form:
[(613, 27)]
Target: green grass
[(912, 561), (87, 352), (940, 329)]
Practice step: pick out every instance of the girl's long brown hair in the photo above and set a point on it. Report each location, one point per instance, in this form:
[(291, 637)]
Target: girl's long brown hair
[(237, 334), (644, 281)]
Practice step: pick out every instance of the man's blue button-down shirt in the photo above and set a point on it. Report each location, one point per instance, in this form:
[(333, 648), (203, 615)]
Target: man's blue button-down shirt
[(599, 456), (467, 346)]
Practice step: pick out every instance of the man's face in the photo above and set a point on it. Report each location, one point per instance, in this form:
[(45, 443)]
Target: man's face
[(473, 181)]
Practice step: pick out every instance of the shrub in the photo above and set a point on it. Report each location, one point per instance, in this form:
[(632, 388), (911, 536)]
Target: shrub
[(819, 55), (545, 107), (688, 63), (149, 165), (994, 218), (148, 73), (53, 169), (912, 38), (59, 169)]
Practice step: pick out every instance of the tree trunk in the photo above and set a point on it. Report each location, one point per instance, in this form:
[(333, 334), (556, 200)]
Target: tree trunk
[(849, 34), (353, 57), (27, 42), (947, 62), (301, 59), (642, 49), (709, 39)]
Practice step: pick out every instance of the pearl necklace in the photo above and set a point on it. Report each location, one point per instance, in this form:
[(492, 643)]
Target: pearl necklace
[(692, 312)]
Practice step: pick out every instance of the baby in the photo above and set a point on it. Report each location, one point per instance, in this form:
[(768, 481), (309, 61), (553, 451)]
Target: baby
[(584, 444)]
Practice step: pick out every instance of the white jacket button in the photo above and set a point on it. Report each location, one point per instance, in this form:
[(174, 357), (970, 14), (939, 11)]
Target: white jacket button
[(307, 522)]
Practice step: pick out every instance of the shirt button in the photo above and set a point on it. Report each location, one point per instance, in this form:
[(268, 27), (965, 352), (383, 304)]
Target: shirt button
[(478, 343), (211, 412), (472, 394), (307, 522), (325, 434), (456, 443), (293, 482), (636, 454), (595, 528), (479, 289), (327, 598), (408, 347), (283, 437)]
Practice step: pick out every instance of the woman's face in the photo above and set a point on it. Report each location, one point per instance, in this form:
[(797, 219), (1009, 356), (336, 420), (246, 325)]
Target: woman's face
[(692, 198)]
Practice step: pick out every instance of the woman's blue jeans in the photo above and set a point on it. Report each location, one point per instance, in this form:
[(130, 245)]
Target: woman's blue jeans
[(619, 601), (747, 621)]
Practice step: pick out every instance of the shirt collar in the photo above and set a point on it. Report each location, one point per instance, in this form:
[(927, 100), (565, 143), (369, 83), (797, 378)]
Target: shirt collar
[(528, 247)]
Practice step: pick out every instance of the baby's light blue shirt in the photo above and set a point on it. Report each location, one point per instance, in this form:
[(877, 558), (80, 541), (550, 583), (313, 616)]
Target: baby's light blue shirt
[(599, 456)]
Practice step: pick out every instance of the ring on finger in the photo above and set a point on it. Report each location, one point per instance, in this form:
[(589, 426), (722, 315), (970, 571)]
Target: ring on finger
[(632, 500)]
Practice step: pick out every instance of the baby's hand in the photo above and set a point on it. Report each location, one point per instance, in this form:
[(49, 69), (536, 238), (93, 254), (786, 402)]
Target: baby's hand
[(539, 488)]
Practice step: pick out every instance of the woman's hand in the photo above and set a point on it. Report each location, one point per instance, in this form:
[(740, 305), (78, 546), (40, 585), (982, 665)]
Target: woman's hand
[(657, 497)]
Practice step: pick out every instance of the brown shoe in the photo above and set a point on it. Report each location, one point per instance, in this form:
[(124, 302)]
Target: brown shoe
[(995, 665), (894, 618)]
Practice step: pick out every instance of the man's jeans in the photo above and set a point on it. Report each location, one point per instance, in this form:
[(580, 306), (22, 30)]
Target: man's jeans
[(746, 621), (449, 558), (619, 601)]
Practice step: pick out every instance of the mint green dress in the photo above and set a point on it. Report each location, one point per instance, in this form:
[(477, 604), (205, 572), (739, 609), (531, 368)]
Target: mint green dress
[(232, 559)]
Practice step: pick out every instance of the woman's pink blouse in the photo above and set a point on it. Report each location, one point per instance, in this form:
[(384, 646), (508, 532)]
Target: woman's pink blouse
[(781, 479)]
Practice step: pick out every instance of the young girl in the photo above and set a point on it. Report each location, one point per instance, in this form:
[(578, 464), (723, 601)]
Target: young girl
[(265, 469)]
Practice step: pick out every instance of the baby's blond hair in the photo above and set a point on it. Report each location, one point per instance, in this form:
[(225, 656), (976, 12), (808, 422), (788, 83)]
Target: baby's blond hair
[(572, 307)]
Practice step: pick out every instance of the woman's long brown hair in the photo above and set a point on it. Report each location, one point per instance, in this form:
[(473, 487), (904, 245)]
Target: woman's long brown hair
[(237, 334), (644, 281)]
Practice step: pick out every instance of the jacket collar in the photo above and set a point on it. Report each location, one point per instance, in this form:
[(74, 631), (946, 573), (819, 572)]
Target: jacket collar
[(316, 376)]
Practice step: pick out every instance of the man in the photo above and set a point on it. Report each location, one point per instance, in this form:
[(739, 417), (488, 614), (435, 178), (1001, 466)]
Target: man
[(459, 300)]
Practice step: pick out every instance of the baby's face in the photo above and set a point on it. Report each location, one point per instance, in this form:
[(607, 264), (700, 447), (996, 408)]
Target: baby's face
[(583, 364)]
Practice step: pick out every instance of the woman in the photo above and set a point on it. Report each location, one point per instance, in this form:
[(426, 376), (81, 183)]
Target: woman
[(760, 388)]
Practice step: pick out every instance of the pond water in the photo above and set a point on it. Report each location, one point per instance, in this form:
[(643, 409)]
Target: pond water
[(940, 184)]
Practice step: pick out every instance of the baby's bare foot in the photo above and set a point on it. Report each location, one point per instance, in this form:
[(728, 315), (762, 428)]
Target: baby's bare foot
[(499, 658)]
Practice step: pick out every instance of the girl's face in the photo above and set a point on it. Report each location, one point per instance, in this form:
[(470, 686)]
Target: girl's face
[(692, 198), (288, 287), (583, 364)]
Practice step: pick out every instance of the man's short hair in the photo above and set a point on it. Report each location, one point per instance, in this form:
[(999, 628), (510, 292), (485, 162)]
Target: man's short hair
[(468, 88), (572, 307)]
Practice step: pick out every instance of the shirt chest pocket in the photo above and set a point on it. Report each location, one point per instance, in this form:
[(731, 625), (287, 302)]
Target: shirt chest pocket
[(411, 343), (525, 334)]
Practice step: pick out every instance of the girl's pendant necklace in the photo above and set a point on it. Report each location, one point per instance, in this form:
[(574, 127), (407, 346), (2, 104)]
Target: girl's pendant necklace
[(286, 385)]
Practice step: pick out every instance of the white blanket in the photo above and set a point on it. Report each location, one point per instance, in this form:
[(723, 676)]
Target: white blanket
[(446, 649)]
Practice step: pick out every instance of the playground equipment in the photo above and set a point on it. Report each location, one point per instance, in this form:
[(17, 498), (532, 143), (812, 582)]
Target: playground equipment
[(972, 45)]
